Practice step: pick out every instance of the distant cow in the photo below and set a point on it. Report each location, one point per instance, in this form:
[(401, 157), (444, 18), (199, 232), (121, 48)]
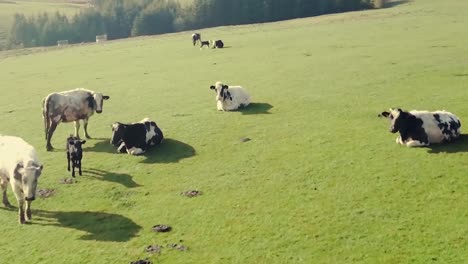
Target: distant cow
[(74, 154), (196, 37), (20, 166), (68, 106), (217, 44), (230, 98), (204, 43), (422, 128), (135, 138)]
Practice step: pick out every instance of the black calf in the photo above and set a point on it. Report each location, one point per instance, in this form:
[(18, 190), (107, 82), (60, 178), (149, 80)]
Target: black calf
[(74, 153)]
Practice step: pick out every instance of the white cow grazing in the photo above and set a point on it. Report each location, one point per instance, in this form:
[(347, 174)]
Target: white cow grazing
[(230, 98), (20, 166), (70, 106)]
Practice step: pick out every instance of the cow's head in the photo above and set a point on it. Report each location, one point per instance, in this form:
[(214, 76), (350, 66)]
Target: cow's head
[(222, 91), (75, 146), (28, 176), (117, 133), (400, 120), (99, 101)]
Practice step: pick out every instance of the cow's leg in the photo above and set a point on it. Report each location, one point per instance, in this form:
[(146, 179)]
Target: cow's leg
[(415, 143), (85, 126), (79, 167), (28, 211), (77, 128), (68, 161), (399, 141), (20, 198), (51, 131), (73, 168), (4, 185), (122, 148)]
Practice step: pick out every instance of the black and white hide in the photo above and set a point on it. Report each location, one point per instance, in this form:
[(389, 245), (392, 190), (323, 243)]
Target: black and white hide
[(196, 37), (422, 128), (217, 44), (74, 154), (136, 138)]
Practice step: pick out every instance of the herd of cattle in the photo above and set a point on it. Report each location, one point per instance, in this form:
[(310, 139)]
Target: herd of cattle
[(20, 166), (196, 39)]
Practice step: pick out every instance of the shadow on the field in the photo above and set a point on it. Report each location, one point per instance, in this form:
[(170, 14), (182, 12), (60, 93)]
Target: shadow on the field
[(98, 225), (102, 145), (170, 150), (102, 175), (256, 108), (390, 4), (457, 146)]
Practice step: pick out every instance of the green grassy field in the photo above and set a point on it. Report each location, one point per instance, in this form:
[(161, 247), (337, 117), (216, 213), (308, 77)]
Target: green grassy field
[(9, 7), (320, 181)]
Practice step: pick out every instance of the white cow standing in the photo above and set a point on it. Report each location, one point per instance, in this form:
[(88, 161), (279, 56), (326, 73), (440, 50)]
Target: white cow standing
[(20, 166), (70, 106)]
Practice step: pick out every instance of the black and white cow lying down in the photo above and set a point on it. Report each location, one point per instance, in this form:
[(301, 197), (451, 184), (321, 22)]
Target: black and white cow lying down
[(135, 138), (422, 128)]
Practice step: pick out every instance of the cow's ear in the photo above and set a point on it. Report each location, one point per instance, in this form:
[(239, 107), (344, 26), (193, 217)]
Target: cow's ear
[(225, 86), (71, 142), (19, 170), (384, 114), (82, 142), (212, 87), (105, 97)]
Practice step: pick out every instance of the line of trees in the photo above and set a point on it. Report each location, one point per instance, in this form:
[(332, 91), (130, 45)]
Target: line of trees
[(123, 18)]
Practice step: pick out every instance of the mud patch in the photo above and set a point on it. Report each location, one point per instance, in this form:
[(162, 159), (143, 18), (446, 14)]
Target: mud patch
[(45, 193), (192, 193), (67, 181), (178, 247), (161, 228), (153, 249), (141, 261)]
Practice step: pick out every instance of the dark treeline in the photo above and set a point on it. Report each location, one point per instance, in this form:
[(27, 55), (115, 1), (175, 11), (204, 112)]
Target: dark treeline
[(125, 18)]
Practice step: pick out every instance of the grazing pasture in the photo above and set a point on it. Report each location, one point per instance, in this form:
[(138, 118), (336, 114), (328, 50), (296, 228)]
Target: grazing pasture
[(320, 180)]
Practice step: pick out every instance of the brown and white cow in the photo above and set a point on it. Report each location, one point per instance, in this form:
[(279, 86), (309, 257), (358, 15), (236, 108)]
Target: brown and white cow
[(70, 106), (20, 166)]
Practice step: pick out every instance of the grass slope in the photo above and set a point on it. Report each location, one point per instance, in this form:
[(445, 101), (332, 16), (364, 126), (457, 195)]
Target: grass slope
[(321, 181), (9, 7)]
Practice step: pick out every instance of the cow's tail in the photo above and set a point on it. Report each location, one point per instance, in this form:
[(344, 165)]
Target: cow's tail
[(45, 114)]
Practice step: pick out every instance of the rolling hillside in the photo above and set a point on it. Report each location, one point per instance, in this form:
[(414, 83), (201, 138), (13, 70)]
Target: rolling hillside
[(321, 179)]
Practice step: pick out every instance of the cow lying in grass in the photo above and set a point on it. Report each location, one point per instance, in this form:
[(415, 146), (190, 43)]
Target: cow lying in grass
[(217, 44), (422, 128), (230, 98), (74, 153), (20, 166), (135, 138)]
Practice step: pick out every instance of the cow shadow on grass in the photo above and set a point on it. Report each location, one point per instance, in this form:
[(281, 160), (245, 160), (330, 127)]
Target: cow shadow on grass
[(169, 151), (102, 145), (457, 146), (99, 226), (256, 108), (102, 175), (395, 3)]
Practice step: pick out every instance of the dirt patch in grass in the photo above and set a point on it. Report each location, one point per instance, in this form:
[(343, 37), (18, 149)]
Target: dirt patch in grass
[(178, 247), (67, 181), (45, 193), (153, 249), (192, 193), (161, 228), (141, 261)]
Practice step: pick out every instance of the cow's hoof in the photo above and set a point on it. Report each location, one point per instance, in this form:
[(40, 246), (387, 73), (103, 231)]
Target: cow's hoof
[(21, 220), (28, 216), (7, 204), (88, 137), (49, 148)]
